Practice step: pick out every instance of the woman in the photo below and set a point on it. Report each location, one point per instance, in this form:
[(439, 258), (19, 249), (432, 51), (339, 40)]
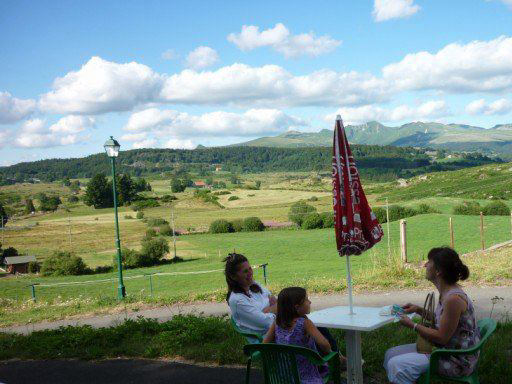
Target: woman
[(455, 323), (252, 306)]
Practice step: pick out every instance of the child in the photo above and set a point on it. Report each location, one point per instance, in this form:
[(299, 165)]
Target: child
[(293, 327)]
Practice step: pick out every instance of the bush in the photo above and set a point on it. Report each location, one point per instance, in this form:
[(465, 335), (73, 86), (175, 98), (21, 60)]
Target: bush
[(168, 198), (165, 230), (496, 208), (154, 250), (128, 217), (238, 225), (150, 233), (299, 210), (327, 219), (218, 193), (397, 212), (146, 203), (140, 215), (425, 208), (63, 264), (467, 208), (156, 221), (313, 198), (231, 198), (34, 267), (253, 224), (312, 221), (381, 214), (73, 199), (221, 226), (131, 259)]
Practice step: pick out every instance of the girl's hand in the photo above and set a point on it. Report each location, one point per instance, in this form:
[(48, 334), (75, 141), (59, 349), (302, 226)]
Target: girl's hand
[(411, 308), (404, 320), (272, 300)]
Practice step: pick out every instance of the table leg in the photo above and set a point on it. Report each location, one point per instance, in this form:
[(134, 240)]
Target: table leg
[(354, 359)]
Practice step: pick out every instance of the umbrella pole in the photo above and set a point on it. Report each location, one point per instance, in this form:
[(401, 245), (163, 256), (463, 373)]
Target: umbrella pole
[(349, 283)]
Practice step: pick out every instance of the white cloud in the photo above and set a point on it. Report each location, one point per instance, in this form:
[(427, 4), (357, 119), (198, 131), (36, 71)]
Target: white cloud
[(148, 143), (170, 54), (102, 86), (4, 138), (479, 66), (168, 125), (35, 134), (13, 109), (202, 57), (181, 144), (393, 9), (280, 39), (498, 107), (428, 110)]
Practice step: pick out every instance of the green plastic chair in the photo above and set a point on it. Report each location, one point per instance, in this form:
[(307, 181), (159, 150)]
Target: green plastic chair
[(487, 327), (280, 363), (253, 338)]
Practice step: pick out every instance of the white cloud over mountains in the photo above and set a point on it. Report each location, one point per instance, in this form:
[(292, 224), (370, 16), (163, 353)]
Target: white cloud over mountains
[(427, 110), (13, 109), (202, 57), (393, 9), (282, 41), (178, 129), (101, 86), (498, 107)]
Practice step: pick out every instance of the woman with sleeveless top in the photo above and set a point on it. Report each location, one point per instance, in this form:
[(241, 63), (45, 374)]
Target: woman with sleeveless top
[(455, 324)]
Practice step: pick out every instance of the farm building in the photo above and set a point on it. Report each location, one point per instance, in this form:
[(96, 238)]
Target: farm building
[(200, 184), (18, 264)]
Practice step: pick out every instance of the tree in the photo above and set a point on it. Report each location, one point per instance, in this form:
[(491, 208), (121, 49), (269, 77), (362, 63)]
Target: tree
[(177, 185), (126, 192), (258, 184), (299, 210), (99, 192), (48, 203), (29, 206), (3, 215)]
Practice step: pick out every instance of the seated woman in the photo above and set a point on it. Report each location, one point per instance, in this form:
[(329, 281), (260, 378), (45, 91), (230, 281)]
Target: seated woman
[(455, 323), (252, 306)]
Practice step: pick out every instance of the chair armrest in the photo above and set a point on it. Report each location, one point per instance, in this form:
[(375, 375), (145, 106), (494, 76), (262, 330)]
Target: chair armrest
[(438, 353), (329, 356)]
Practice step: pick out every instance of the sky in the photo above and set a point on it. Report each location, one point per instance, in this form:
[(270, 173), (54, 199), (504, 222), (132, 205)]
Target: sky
[(175, 74)]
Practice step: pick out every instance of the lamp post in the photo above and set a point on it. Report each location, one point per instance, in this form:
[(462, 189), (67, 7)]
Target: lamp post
[(112, 148)]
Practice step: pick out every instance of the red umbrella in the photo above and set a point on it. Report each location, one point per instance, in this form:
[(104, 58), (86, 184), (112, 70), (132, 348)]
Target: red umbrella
[(356, 226)]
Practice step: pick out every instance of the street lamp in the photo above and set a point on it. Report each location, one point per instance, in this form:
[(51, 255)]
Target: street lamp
[(112, 148)]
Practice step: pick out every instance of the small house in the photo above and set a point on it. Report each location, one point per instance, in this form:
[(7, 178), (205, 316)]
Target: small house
[(200, 184), (18, 264)]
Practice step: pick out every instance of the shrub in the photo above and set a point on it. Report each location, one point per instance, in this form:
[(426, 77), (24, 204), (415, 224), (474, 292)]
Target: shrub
[(168, 198), (313, 198), (218, 193), (397, 212), (221, 226), (425, 208), (299, 210), (381, 214), (467, 208), (165, 230), (496, 208), (140, 215), (155, 249), (146, 203), (73, 199), (312, 221), (131, 259), (327, 219), (238, 225), (34, 267), (63, 263), (150, 233), (253, 224), (128, 217), (156, 221), (104, 268), (231, 198)]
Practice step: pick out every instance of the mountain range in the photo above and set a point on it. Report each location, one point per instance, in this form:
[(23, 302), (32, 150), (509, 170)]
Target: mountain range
[(436, 135)]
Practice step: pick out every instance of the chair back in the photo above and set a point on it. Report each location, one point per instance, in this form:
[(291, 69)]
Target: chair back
[(486, 327), (251, 337), (280, 363)]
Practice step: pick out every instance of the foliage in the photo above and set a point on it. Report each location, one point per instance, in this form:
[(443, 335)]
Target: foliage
[(238, 225), (496, 208), (219, 193), (312, 221), (397, 212), (131, 259), (232, 198), (144, 203), (177, 185), (3, 216), (425, 208), (125, 189), (165, 230), (221, 226), (467, 208), (381, 214), (313, 198), (258, 184), (99, 192), (150, 233), (139, 215), (34, 267), (62, 263), (155, 249), (156, 221), (10, 251), (168, 198), (327, 219), (29, 206), (253, 224), (48, 203), (207, 196), (299, 210), (73, 199)]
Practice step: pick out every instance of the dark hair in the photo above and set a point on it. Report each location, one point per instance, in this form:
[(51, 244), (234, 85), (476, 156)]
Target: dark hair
[(287, 299), (233, 261), (448, 262)]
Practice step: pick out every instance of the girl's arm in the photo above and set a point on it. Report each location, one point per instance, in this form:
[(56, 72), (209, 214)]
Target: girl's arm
[(270, 337), (320, 341), (454, 306)]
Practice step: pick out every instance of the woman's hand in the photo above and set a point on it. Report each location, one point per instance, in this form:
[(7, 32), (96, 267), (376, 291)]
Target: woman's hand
[(270, 309), (272, 300), (405, 321), (411, 308)]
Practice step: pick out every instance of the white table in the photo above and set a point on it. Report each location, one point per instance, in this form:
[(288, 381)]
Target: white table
[(363, 319)]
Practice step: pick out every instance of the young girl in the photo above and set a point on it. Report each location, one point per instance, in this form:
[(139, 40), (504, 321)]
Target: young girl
[(293, 327)]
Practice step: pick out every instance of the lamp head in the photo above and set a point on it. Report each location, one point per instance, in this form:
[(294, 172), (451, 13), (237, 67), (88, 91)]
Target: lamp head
[(112, 147)]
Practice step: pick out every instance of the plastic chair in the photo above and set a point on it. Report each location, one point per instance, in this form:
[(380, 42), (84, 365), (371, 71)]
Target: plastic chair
[(253, 338), (280, 363), (487, 327)]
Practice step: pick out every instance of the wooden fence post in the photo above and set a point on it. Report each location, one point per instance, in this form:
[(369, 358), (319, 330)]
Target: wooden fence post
[(451, 234), (403, 240), (482, 230)]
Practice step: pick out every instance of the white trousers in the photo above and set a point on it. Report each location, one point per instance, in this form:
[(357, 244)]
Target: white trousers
[(404, 365)]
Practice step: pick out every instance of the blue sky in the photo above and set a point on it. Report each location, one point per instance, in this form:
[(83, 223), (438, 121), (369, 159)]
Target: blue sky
[(178, 74)]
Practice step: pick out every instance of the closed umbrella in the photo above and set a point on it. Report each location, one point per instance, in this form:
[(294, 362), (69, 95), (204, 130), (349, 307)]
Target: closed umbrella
[(356, 226)]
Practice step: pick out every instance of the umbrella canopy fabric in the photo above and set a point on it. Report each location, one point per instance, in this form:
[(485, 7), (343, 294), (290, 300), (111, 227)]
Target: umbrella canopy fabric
[(356, 226)]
